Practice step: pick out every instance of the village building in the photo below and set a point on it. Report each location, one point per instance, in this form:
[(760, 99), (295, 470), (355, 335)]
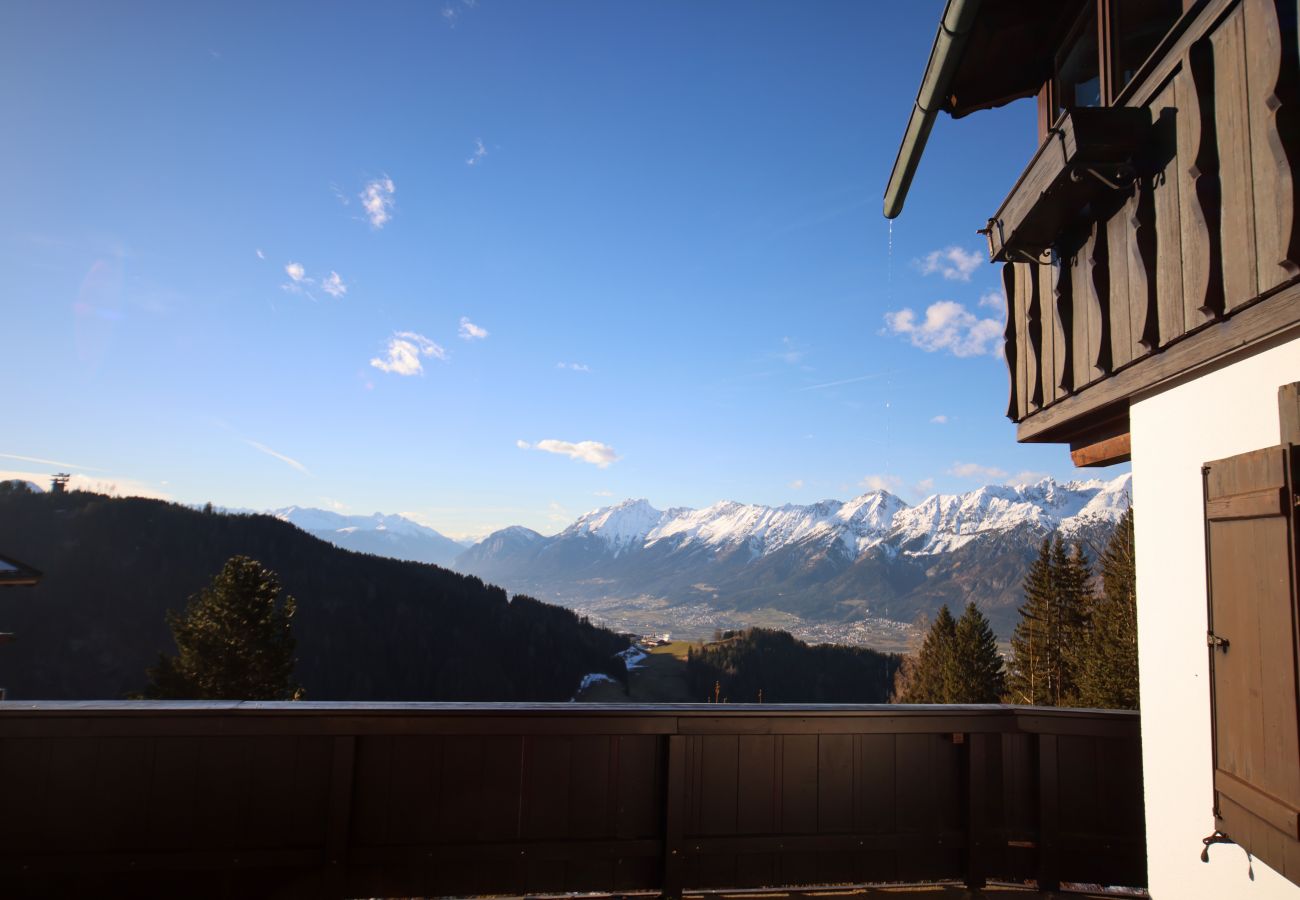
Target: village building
[(1150, 255)]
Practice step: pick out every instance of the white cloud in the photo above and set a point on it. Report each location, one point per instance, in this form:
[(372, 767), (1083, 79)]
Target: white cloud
[(287, 460), (947, 326), (471, 332), (449, 16), (994, 299), (573, 367), (603, 493), (479, 152), (405, 348), (295, 271), (333, 285), (924, 486), (891, 483), (377, 198), (260, 254), (1028, 476), (594, 452), (796, 485), (953, 263), (939, 420), (975, 470)]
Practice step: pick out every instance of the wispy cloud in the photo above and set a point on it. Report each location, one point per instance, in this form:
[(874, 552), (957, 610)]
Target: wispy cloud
[(842, 381), (449, 15), (49, 462), (947, 326), (602, 493), (953, 263), (796, 485), (975, 470), (333, 285), (573, 366), (994, 299), (404, 352), (891, 483), (594, 452), (924, 487), (260, 254), (377, 198), (939, 420), (295, 271), (479, 152), (287, 460), (790, 352), (471, 332)]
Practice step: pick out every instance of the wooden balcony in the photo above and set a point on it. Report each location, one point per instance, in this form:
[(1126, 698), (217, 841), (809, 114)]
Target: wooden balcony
[(1197, 259), (146, 799)]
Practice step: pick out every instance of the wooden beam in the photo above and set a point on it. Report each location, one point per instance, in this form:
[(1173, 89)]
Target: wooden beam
[(1106, 452)]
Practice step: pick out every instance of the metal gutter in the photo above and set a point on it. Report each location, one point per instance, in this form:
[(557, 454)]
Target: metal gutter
[(954, 28)]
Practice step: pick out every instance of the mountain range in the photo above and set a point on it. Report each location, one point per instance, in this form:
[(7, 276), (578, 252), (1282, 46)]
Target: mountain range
[(873, 557)]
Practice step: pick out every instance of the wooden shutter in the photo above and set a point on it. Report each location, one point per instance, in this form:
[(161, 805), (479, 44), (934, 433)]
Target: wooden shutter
[(1251, 554)]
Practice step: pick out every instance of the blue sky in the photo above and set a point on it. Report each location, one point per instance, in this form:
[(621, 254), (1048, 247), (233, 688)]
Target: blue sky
[(499, 262)]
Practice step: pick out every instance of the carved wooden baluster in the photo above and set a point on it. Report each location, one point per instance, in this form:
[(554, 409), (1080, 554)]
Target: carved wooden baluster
[(1271, 73), (1034, 332), (1143, 313), (1200, 194), (1232, 134), (1099, 314), (1015, 403), (1062, 320)]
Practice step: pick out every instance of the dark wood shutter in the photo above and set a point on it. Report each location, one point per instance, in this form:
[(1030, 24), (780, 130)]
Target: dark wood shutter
[(1251, 554)]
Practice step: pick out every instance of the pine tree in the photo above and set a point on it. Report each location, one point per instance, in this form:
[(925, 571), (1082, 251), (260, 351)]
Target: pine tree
[(1072, 574), (1108, 676), (930, 673), (235, 640), (976, 671), (1028, 681)]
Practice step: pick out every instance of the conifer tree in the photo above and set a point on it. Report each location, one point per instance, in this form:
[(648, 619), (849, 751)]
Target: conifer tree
[(930, 675), (1028, 680), (975, 672), (1108, 675), (1072, 574), (235, 640)]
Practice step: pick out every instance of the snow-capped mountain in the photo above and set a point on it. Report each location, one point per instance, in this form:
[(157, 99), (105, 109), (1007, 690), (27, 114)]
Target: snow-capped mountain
[(383, 535), (829, 560)]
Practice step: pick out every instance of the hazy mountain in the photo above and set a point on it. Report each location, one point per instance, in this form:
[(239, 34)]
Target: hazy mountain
[(829, 561), (383, 535)]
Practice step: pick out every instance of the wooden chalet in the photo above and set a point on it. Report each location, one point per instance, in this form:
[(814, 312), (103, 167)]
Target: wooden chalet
[(1150, 256)]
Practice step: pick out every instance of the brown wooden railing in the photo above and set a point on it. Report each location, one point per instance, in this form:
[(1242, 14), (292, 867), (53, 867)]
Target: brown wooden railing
[(146, 799)]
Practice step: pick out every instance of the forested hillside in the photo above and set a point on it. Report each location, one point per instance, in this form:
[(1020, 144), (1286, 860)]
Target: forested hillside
[(367, 628), (787, 670)]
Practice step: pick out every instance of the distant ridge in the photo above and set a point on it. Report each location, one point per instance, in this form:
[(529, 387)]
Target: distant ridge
[(829, 561)]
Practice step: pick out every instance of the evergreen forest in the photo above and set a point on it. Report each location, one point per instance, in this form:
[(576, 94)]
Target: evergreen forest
[(366, 627)]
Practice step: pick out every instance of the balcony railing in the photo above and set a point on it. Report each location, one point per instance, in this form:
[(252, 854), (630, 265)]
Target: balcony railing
[(314, 800)]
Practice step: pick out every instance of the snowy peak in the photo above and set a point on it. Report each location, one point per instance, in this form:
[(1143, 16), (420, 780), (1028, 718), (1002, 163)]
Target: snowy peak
[(325, 520), (619, 526)]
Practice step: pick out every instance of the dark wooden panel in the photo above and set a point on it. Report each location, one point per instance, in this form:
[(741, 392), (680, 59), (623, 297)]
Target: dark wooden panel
[(546, 787), (756, 803), (498, 808), (1010, 347), (1027, 273), (1118, 236), (640, 786), (24, 797), (798, 784), (718, 781), (875, 807), (1063, 313), (589, 787), (835, 787)]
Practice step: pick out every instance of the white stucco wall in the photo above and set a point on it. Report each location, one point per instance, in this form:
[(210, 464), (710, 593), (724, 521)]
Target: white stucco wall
[(1222, 413)]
